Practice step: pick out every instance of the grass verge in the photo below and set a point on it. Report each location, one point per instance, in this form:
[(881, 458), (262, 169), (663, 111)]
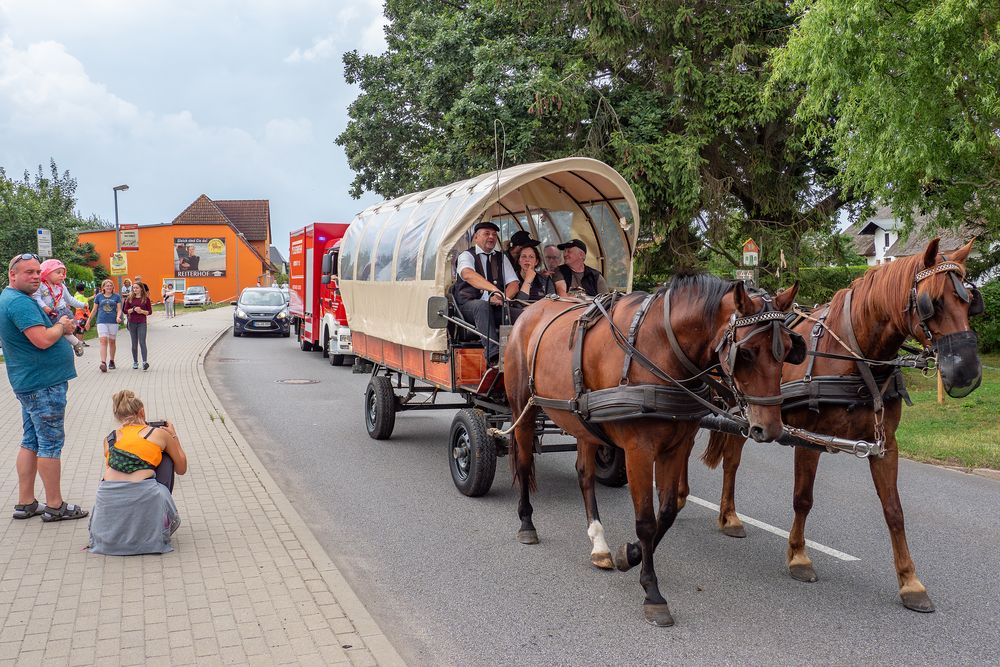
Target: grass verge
[(962, 431)]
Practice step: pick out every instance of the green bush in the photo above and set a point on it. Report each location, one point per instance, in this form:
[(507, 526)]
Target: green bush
[(818, 284), (987, 325)]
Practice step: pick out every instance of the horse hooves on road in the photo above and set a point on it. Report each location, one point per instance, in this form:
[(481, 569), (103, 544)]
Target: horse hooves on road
[(804, 573), (627, 557), (658, 615), (917, 602), (602, 561), (527, 537), (734, 531)]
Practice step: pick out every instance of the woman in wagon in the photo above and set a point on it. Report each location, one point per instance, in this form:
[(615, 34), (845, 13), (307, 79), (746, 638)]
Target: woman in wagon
[(534, 284), (485, 279)]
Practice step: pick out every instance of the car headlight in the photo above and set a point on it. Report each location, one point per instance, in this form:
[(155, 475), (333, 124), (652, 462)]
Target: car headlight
[(283, 314), (241, 314)]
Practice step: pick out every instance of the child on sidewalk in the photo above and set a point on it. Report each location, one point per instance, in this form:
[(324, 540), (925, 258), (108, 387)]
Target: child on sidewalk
[(81, 315), (55, 300)]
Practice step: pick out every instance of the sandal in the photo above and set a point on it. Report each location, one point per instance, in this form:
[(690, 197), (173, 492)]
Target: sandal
[(27, 511), (63, 513), (104, 367)]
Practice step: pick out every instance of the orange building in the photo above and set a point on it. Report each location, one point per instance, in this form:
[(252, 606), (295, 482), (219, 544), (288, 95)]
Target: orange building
[(220, 245)]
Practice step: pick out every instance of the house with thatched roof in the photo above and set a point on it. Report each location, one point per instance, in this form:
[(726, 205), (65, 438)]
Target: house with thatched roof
[(880, 238)]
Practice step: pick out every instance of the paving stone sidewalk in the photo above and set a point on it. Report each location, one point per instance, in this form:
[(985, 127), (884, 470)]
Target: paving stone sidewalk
[(247, 582)]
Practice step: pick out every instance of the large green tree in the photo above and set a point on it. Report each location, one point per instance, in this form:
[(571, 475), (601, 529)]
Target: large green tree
[(42, 201), (915, 88), (670, 93)]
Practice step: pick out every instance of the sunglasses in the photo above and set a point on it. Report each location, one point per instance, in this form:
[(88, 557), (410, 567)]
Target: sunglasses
[(25, 256)]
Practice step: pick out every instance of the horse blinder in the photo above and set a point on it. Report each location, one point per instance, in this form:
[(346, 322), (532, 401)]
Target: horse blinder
[(798, 352), (976, 305), (925, 307)]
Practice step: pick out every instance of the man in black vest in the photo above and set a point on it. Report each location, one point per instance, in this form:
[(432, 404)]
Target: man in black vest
[(485, 275), (575, 274)]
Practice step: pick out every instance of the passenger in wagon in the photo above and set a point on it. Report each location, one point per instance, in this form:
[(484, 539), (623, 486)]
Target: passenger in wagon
[(519, 240), (534, 284), (485, 279), (575, 274)]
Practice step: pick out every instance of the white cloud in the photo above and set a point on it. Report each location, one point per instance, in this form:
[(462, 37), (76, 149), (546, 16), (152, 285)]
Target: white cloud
[(288, 131), (320, 50)]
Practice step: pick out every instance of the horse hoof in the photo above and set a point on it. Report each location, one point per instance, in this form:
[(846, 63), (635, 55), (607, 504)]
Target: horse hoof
[(658, 615), (917, 602), (602, 561), (527, 537), (804, 573), (622, 561), (734, 531)]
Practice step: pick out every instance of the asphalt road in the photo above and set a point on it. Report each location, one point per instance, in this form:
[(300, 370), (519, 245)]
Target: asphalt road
[(449, 584)]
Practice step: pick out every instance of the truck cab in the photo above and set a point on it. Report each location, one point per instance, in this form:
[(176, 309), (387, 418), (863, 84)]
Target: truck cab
[(315, 304)]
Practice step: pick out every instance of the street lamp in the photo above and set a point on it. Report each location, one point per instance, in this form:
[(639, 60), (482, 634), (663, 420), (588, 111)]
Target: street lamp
[(240, 235), (118, 237)]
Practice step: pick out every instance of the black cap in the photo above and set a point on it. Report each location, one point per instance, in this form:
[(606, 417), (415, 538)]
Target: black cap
[(523, 239), (486, 224), (575, 243)]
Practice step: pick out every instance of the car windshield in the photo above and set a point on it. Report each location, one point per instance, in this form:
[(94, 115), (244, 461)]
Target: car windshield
[(195, 290), (268, 298)]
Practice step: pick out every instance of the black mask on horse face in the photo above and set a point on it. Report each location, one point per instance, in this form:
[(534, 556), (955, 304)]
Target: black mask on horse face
[(957, 354)]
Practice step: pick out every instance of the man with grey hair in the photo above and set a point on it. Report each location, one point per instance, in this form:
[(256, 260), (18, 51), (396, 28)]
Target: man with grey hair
[(39, 365)]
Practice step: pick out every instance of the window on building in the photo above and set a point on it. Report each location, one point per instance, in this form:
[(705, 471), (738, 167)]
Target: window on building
[(887, 239)]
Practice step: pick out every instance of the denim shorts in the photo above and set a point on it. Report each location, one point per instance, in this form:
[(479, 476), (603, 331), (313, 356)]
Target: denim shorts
[(42, 414)]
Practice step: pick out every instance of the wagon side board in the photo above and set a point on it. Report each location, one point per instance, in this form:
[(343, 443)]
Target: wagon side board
[(469, 364)]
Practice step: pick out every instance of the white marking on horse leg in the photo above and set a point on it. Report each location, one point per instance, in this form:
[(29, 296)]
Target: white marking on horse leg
[(596, 533)]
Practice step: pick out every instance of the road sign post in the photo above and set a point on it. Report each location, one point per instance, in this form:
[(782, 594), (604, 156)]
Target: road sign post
[(44, 243)]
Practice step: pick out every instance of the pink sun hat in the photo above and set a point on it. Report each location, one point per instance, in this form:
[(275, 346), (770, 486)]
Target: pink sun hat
[(50, 265)]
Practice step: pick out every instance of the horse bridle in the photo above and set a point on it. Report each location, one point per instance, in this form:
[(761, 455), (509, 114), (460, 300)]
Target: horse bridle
[(768, 319), (923, 305)]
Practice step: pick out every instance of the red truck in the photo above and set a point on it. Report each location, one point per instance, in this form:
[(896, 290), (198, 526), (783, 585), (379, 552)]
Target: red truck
[(315, 305)]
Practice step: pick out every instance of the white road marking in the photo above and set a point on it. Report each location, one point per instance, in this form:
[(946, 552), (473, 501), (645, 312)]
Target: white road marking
[(777, 531)]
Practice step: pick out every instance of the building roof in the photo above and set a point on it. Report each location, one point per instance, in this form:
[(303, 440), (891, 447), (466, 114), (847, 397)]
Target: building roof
[(275, 256), (917, 240), (882, 220), (252, 217), (864, 245)]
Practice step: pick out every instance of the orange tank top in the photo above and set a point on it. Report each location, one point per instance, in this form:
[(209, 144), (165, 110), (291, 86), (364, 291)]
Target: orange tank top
[(131, 442)]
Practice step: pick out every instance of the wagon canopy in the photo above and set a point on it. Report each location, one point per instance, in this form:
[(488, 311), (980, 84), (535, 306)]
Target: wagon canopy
[(399, 253)]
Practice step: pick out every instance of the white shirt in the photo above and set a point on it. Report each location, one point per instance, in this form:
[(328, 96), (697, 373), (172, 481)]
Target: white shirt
[(467, 260)]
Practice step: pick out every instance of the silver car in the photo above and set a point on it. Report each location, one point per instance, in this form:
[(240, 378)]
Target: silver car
[(196, 296)]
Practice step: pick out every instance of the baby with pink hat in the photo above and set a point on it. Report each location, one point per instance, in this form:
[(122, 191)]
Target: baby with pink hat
[(56, 300)]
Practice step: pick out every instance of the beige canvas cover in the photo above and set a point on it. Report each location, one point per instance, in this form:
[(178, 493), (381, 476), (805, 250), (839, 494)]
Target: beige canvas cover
[(399, 253)]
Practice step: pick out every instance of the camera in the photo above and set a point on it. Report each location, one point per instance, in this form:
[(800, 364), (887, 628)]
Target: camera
[(159, 424)]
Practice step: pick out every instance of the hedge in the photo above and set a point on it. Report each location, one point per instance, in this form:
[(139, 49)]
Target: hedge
[(987, 325)]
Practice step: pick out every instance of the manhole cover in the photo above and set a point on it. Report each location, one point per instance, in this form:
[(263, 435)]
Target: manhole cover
[(297, 381)]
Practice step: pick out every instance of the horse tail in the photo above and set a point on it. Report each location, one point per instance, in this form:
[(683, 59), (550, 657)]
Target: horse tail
[(718, 443)]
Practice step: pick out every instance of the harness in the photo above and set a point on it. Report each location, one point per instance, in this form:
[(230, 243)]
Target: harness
[(874, 387), (687, 399)]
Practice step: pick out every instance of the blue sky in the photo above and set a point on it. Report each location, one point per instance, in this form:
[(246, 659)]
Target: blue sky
[(233, 99)]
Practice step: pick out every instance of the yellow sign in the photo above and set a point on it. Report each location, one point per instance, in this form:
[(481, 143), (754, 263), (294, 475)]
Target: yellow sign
[(119, 264), (216, 247)]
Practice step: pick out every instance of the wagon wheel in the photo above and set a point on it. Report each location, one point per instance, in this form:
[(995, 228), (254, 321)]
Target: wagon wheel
[(380, 408), (472, 454), (611, 466)]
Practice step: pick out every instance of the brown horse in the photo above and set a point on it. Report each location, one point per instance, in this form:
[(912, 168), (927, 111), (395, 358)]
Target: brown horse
[(703, 318), (922, 297)]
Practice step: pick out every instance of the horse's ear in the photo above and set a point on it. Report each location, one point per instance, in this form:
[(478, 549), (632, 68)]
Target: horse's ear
[(742, 301), (931, 252), (962, 253), (786, 298)]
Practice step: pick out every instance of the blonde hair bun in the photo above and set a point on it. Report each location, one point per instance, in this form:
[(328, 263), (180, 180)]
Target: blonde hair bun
[(126, 405)]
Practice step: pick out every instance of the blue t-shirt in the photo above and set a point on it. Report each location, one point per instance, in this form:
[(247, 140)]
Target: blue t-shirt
[(107, 308), (29, 368)]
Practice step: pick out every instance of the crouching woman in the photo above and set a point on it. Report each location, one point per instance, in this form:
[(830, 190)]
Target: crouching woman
[(134, 512)]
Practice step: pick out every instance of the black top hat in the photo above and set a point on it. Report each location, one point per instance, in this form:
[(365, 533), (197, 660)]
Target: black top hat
[(523, 238), (486, 224), (575, 243)]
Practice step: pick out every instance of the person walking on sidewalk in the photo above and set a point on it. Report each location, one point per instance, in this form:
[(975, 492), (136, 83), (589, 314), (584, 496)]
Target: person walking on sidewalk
[(168, 299), (134, 512), (137, 307), (108, 310), (39, 365)]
